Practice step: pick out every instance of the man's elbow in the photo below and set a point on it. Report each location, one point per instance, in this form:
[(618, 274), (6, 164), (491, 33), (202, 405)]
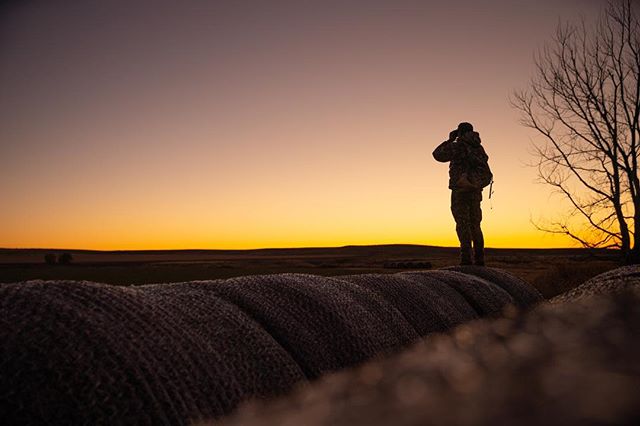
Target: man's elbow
[(439, 156)]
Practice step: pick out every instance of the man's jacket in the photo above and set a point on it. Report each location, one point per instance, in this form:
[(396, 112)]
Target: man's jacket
[(463, 154)]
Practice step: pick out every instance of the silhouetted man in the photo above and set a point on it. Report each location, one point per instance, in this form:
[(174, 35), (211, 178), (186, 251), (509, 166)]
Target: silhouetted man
[(468, 170)]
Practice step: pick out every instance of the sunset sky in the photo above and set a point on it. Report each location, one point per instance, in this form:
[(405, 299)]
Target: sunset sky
[(154, 124)]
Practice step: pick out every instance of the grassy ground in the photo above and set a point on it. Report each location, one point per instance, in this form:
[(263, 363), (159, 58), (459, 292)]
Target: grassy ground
[(551, 271)]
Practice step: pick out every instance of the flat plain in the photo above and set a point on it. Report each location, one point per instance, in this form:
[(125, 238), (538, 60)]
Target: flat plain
[(552, 271)]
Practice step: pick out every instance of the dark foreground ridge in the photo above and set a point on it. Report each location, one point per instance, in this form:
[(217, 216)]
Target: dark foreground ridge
[(573, 361), (82, 352)]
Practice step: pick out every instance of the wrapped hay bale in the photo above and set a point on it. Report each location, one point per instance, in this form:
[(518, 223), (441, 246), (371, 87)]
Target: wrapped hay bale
[(560, 364), (613, 281), (82, 352), (523, 295), (426, 304), (484, 297), (325, 324)]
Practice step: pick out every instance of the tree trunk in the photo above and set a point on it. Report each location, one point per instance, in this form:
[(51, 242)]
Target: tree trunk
[(633, 257)]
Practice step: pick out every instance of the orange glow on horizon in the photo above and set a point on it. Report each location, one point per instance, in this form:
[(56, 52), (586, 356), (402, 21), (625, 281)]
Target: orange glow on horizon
[(216, 125)]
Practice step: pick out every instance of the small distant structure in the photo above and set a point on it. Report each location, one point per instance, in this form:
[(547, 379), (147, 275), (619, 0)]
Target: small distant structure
[(61, 259), (408, 264)]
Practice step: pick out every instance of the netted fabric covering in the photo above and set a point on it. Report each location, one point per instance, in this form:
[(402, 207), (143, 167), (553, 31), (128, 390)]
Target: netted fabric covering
[(620, 279), (523, 295), (426, 304), (483, 296), (89, 353), (322, 322), (86, 352), (568, 363), (253, 359)]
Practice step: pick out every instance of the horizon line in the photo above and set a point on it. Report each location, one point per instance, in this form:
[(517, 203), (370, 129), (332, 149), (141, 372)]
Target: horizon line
[(291, 248)]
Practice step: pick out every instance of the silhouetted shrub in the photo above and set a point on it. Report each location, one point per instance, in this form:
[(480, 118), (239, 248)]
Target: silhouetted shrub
[(65, 259), (50, 258)]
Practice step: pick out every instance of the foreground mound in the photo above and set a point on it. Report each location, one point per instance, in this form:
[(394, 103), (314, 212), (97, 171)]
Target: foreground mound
[(614, 281), (571, 363), (82, 352)]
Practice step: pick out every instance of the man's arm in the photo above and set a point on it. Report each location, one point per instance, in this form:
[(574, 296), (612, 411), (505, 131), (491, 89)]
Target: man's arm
[(445, 151)]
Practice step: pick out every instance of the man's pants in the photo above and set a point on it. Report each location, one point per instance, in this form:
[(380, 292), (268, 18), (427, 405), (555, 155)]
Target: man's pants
[(465, 206)]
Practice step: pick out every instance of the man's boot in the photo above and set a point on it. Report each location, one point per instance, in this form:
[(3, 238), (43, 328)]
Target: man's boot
[(465, 256), (478, 257)]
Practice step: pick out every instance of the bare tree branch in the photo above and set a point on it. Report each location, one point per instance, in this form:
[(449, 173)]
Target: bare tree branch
[(585, 103)]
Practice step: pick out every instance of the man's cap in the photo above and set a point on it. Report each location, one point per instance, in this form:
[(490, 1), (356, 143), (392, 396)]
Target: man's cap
[(465, 127)]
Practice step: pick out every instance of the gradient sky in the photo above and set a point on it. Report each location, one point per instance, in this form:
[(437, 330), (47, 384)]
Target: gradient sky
[(246, 124)]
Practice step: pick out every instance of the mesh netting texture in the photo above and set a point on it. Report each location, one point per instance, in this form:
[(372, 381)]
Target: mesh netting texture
[(82, 352), (570, 362), (617, 280)]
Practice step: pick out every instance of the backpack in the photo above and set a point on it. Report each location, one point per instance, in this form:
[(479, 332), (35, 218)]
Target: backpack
[(480, 174), (476, 173)]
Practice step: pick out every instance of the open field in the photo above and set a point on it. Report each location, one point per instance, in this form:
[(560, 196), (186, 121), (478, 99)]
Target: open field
[(552, 271)]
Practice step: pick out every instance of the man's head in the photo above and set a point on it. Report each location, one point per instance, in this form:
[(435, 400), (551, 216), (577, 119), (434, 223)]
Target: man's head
[(464, 127)]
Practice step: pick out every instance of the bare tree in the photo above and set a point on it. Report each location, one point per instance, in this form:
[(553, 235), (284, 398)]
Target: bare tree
[(585, 102)]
